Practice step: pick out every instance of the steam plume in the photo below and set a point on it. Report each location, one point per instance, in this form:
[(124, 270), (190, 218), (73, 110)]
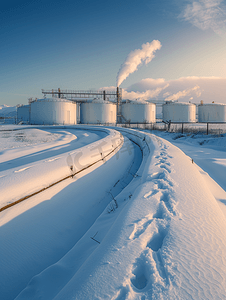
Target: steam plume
[(136, 58), (182, 94), (146, 95)]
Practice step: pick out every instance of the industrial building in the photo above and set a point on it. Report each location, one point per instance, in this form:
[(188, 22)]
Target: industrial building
[(98, 111), (69, 107), (212, 112), (138, 112), (23, 114), (52, 111), (179, 112)]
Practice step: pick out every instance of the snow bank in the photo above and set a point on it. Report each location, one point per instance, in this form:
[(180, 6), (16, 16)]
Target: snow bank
[(165, 240), (35, 176), (39, 232), (208, 152)]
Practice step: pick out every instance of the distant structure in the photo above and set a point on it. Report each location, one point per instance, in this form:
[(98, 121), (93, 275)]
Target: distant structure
[(69, 107), (84, 96), (211, 112), (136, 112), (180, 112), (50, 111), (23, 114), (98, 111)]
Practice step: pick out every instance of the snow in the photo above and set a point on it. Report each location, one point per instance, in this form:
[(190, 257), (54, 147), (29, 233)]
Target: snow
[(144, 224), (7, 111), (208, 152), (41, 165)]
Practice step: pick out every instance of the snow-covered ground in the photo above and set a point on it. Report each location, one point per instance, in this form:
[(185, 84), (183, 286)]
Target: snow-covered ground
[(209, 153), (7, 111), (144, 223), (35, 157)]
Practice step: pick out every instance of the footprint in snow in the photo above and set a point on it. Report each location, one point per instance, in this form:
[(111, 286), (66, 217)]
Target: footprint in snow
[(162, 159), (155, 244), (163, 166), (122, 294), (169, 202), (159, 213), (140, 274), (140, 228), (157, 240), (164, 184)]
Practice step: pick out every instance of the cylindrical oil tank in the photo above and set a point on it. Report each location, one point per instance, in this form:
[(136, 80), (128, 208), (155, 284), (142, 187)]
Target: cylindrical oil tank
[(179, 112), (52, 111), (138, 112), (212, 112), (98, 112), (23, 114)]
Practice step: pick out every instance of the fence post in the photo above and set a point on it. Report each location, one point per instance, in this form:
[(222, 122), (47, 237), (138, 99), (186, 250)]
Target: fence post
[(207, 129)]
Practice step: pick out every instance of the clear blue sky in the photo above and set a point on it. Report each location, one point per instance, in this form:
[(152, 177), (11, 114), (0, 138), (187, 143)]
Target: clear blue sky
[(73, 44)]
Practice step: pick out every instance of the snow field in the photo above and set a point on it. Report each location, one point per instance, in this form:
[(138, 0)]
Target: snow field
[(48, 283), (132, 265), (32, 177), (17, 138), (157, 233), (165, 241), (44, 228), (208, 153), (198, 243)]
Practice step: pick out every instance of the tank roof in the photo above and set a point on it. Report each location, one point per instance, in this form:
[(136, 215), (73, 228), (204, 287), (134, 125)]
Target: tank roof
[(101, 101), (212, 104), (142, 102), (178, 103), (55, 99)]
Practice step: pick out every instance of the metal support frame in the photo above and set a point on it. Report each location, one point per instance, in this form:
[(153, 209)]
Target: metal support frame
[(79, 95), (119, 102)]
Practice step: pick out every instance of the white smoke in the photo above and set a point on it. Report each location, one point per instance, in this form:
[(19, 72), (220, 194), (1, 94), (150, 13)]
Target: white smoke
[(136, 58), (207, 89), (182, 94), (148, 94), (147, 84)]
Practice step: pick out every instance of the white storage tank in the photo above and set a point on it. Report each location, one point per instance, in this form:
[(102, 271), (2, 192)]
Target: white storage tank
[(138, 112), (98, 111), (52, 111), (23, 114), (212, 112), (179, 112)]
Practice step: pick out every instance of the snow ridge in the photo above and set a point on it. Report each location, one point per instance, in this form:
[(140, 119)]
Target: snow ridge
[(148, 273), (162, 237)]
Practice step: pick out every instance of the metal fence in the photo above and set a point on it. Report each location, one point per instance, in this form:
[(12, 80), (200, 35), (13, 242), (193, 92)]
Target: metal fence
[(205, 128)]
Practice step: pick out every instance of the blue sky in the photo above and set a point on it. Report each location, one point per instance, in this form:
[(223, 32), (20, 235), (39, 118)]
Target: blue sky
[(82, 44)]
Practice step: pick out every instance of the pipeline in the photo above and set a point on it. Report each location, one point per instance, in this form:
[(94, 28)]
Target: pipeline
[(67, 177), (72, 175)]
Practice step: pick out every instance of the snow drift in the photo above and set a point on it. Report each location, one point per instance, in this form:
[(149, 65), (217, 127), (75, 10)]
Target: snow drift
[(166, 239)]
